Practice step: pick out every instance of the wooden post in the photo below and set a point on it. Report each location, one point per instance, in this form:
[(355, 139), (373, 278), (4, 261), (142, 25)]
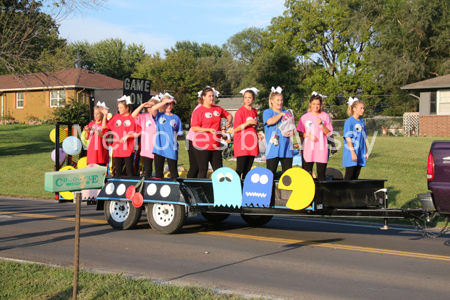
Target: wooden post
[(76, 261)]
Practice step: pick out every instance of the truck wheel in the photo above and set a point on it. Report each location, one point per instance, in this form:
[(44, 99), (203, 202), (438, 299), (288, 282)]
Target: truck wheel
[(165, 218), (215, 217), (121, 214), (256, 221)]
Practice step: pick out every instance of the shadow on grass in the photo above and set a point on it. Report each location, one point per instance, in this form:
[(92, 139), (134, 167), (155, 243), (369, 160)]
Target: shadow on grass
[(66, 294), (34, 148)]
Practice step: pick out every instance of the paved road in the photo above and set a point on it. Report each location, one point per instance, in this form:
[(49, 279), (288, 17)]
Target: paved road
[(292, 259)]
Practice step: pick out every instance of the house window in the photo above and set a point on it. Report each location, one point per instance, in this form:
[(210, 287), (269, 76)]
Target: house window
[(19, 100), (432, 103), (57, 98), (444, 102)]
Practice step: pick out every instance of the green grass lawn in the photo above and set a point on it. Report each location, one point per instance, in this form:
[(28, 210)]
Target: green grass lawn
[(33, 281), (25, 157)]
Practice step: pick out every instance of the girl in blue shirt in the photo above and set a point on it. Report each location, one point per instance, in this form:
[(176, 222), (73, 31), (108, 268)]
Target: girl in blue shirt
[(278, 147), (354, 155), (168, 130)]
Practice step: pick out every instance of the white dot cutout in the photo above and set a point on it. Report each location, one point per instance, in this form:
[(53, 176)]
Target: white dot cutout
[(151, 189), (165, 191), (121, 189)]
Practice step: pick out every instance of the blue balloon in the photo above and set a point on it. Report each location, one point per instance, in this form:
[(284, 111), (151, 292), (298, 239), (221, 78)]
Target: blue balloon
[(72, 145)]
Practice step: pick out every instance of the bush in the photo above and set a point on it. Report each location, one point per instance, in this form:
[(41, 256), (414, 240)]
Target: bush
[(75, 112), (7, 117)]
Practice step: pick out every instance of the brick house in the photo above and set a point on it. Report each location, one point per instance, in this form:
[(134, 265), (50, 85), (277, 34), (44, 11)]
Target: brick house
[(434, 107), (37, 94)]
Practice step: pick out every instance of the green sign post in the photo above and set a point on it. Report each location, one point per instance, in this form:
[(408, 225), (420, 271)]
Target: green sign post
[(75, 180)]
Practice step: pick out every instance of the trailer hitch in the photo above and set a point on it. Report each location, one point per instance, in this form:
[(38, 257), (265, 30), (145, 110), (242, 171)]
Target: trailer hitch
[(428, 217)]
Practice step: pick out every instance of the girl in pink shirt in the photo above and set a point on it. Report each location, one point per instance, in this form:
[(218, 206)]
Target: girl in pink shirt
[(314, 127), (148, 131)]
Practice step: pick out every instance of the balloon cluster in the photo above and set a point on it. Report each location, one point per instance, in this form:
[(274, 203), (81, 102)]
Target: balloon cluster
[(71, 146)]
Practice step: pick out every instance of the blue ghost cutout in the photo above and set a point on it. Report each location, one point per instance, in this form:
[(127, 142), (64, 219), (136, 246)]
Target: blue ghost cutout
[(226, 187), (257, 188)]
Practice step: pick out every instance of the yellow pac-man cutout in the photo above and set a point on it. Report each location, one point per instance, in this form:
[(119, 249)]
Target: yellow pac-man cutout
[(62, 135), (67, 195), (82, 163), (302, 186)]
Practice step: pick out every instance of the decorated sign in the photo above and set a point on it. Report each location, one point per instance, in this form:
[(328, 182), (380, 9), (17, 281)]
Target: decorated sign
[(302, 186), (137, 89), (157, 191), (227, 188), (257, 188), (75, 180)]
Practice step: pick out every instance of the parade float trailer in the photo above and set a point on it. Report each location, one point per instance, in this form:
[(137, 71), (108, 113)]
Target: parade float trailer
[(257, 199), (167, 202)]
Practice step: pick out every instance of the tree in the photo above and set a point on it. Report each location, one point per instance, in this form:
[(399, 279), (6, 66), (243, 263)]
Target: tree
[(28, 34), (411, 42), (76, 112), (245, 44), (321, 32), (196, 50), (277, 67), (181, 74), (110, 57)]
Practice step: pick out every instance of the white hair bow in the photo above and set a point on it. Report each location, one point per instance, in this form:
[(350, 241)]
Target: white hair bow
[(127, 99), (351, 100), (167, 95), (102, 104), (277, 90), (255, 90), (317, 94), (216, 93), (156, 98)]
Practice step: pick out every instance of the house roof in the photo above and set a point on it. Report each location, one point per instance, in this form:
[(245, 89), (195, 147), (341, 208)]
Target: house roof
[(233, 103), (68, 78), (433, 83)]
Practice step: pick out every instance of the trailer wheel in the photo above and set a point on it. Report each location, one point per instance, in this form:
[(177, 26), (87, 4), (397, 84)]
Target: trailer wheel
[(215, 217), (165, 218), (121, 214), (256, 221)]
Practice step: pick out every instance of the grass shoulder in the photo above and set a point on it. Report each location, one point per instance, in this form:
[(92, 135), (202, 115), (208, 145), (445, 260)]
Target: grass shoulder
[(35, 281)]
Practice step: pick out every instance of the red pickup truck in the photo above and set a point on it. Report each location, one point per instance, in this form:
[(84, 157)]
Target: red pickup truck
[(438, 175)]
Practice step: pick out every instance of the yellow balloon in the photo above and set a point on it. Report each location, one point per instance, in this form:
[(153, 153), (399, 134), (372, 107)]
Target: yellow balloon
[(62, 135), (82, 163), (67, 195), (67, 168), (302, 186)]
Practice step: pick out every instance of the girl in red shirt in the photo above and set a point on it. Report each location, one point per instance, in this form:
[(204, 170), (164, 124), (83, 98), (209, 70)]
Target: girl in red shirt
[(124, 130), (97, 152), (245, 138), (206, 121)]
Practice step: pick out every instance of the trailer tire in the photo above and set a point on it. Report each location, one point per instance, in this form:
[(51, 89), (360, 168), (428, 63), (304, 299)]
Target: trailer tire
[(255, 220), (122, 214), (215, 217), (165, 218)]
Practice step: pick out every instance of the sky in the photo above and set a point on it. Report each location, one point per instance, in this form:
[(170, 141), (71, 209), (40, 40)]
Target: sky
[(159, 24)]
